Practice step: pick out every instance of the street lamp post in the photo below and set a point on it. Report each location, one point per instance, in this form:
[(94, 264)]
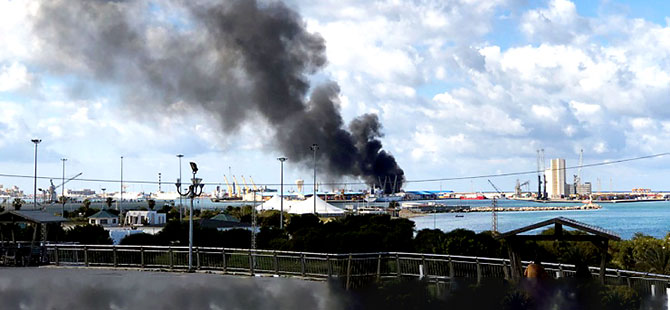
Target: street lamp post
[(194, 190), (314, 147), (36, 141), (181, 204), (281, 195), (62, 212), (120, 205)]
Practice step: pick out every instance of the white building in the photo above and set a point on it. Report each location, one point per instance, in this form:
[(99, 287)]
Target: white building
[(140, 218), (103, 218), (556, 179)]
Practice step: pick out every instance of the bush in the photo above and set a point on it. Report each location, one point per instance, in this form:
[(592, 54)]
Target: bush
[(88, 234), (620, 298)]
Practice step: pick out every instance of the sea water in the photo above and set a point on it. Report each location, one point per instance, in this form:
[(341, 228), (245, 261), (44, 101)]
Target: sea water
[(624, 219)]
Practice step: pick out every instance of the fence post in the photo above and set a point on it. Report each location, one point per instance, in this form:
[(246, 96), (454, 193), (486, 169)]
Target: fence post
[(56, 254), (114, 256), (330, 265), (225, 263), (170, 258), (251, 263), (197, 258), (86, 256), (379, 267), (348, 272), (560, 270), (302, 264), (276, 262), (425, 268), (451, 269), (479, 271), (505, 271), (397, 263), (142, 257)]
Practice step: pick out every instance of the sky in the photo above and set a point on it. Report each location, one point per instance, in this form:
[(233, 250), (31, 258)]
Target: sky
[(461, 88)]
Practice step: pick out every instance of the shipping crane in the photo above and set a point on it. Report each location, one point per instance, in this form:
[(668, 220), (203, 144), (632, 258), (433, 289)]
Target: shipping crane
[(494, 215), (517, 188), (237, 185), (246, 187), (52, 189), (253, 184), (230, 188), (541, 177)]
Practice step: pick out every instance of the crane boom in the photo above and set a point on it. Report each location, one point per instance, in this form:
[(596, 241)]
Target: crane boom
[(253, 184), (230, 188), (68, 180), (237, 184), (494, 186), (494, 215), (246, 187)]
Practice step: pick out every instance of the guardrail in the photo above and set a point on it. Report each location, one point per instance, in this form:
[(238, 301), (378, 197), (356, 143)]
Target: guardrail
[(353, 269)]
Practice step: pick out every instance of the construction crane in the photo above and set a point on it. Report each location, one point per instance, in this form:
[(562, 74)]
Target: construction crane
[(246, 187), (494, 214), (236, 184), (517, 188), (541, 177), (253, 184), (52, 189), (230, 188)]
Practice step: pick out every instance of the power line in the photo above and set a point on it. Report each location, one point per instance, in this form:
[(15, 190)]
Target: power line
[(496, 175)]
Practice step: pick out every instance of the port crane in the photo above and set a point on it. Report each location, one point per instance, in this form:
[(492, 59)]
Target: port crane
[(230, 188), (253, 184), (494, 214), (517, 188), (541, 177), (52, 189), (246, 187)]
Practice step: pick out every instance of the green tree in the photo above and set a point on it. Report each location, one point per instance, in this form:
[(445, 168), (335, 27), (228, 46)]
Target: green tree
[(86, 204), (108, 202), (17, 204), (151, 204)]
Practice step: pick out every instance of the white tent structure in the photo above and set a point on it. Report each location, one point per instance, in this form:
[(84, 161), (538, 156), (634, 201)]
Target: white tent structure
[(322, 207), (274, 203)]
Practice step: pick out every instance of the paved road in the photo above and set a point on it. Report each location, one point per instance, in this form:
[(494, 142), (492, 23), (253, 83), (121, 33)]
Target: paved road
[(62, 288)]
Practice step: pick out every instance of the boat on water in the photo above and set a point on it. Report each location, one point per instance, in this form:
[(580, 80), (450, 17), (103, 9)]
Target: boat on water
[(460, 215), (478, 197)]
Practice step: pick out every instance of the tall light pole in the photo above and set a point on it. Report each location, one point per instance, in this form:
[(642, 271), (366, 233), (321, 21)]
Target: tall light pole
[(194, 190), (314, 147), (120, 208), (62, 212), (181, 205), (281, 195), (36, 141)]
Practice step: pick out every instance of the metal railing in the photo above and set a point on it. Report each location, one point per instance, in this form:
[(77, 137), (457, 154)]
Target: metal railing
[(353, 269)]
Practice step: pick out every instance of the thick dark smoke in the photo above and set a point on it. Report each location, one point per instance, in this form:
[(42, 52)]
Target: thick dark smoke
[(236, 59)]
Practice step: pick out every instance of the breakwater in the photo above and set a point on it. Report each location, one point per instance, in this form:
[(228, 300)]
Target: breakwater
[(542, 208)]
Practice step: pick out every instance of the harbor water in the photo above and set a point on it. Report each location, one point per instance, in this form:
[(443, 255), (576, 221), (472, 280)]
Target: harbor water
[(624, 219)]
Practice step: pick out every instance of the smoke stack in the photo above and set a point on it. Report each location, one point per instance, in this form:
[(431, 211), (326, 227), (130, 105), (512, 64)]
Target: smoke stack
[(236, 59)]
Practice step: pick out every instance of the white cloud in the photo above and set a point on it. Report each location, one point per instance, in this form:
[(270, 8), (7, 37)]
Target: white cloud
[(15, 77)]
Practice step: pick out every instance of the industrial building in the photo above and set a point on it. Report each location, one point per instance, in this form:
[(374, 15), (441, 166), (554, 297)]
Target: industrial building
[(555, 177)]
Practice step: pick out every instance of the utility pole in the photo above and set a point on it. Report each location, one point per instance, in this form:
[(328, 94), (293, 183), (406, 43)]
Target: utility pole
[(63, 190), (314, 148), (281, 195), (181, 205), (36, 141), (120, 204)]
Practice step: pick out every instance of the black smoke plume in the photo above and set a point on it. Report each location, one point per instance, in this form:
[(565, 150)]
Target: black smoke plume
[(236, 59)]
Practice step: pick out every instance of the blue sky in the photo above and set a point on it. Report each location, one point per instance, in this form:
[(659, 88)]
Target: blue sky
[(462, 88)]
